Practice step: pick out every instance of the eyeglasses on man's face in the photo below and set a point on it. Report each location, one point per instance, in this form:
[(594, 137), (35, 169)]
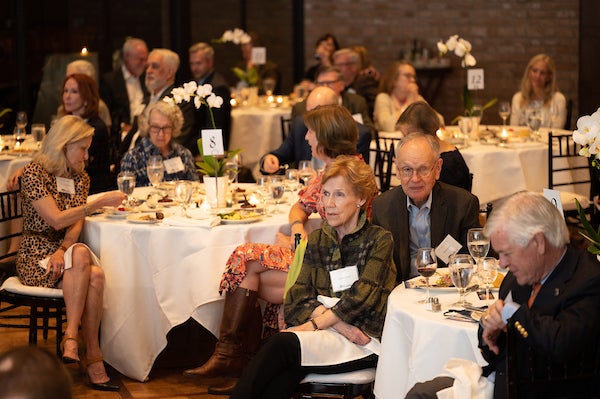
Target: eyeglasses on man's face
[(327, 83), (155, 129), (422, 172)]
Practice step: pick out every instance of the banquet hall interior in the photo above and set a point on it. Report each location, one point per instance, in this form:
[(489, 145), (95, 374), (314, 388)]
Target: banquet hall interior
[(39, 36)]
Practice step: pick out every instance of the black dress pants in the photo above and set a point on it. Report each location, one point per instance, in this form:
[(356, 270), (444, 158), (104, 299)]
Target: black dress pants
[(275, 371)]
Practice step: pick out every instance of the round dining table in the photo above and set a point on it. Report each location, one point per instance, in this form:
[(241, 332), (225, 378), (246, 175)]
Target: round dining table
[(158, 275), (417, 343)]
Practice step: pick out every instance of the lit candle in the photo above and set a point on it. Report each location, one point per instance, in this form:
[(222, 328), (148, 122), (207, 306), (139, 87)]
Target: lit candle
[(233, 102), (503, 136), (84, 51), (279, 100)]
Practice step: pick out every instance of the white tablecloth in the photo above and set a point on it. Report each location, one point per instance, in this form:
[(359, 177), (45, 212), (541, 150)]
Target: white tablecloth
[(257, 130), (157, 277), (416, 343)]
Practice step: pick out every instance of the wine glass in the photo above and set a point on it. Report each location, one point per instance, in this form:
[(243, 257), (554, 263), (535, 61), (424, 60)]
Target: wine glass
[(488, 271), (21, 119), (504, 111), (269, 86), (183, 194), (461, 270), (306, 171), (263, 188), (465, 125), (231, 170), (155, 169), (292, 181), (277, 187), (38, 131), (534, 121), (126, 184), (478, 244), (426, 265)]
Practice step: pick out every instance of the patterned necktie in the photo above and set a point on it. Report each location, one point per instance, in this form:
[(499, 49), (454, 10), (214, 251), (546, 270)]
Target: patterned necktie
[(534, 291)]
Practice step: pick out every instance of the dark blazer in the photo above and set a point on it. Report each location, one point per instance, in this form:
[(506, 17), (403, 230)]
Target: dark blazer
[(114, 93), (562, 324), (98, 166), (202, 120), (295, 148), (453, 211)]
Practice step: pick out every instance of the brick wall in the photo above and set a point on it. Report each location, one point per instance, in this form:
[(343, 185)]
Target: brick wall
[(505, 34)]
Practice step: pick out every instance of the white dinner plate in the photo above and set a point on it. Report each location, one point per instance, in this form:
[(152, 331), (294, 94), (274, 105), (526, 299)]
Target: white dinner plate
[(241, 221), (142, 218)]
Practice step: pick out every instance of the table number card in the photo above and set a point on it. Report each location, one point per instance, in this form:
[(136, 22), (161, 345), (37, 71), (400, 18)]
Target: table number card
[(259, 55), (475, 79), (554, 197), (212, 142)]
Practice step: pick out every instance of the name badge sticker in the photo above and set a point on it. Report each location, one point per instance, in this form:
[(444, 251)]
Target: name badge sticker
[(174, 165), (65, 185), (342, 279)]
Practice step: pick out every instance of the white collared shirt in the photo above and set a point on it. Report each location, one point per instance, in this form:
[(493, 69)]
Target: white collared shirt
[(134, 93)]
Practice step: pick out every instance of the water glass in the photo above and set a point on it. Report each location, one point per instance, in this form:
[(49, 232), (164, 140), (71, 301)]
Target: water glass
[(277, 188), (306, 171), (155, 169), (461, 268), (488, 271), (38, 131), (534, 121), (478, 244), (126, 184), (183, 195), (292, 181), (263, 188), (504, 111)]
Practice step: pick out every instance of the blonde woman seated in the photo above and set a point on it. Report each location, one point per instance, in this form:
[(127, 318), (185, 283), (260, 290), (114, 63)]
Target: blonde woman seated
[(54, 190), (397, 90), (260, 270), (539, 90), (337, 305)]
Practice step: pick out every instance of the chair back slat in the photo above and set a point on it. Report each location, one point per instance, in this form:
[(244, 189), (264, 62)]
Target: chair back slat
[(567, 170), (10, 209)]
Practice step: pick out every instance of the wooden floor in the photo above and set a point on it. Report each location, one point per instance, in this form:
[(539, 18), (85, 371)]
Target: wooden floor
[(165, 382)]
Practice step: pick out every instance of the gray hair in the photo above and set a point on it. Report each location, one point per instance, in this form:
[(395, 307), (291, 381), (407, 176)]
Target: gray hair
[(81, 66), (170, 58), (207, 50), (354, 56), (327, 69), (172, 112), (432, 140), (131, 43), (523, 215)]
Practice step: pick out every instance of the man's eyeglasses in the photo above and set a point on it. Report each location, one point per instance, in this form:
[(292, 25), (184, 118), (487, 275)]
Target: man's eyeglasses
[(422, 172), (327, 83), (157, 129)]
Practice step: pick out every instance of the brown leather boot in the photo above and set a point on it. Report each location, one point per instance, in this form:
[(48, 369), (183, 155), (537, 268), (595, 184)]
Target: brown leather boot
[(251, 342), (229, 357)]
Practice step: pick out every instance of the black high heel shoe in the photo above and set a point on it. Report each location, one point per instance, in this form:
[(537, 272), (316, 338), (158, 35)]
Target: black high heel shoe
[(99, 386)]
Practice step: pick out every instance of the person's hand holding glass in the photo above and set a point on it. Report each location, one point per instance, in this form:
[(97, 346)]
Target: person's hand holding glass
[(155, 169), (461, 270), (426, 265), (126, 184)]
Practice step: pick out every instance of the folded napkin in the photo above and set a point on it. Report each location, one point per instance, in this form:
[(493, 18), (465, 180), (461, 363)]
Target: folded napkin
[(468, 381), (183, 221)]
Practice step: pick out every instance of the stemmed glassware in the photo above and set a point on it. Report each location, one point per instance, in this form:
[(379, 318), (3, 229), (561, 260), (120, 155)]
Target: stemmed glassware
[(263, 188), (478, 244), (292, 181), (232, 169), (504, 111), (21, 123), (38, 131), (306, 171), (426, 265), (183, 194), (461, 270), (155, 169), (534, 121), (488, 271), (126, 184), (277, 187), (269, 86), (465, 125)]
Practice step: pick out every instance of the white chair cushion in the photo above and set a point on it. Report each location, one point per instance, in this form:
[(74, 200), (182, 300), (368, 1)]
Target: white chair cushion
[(357, 377), (13, 285), (568, 200)]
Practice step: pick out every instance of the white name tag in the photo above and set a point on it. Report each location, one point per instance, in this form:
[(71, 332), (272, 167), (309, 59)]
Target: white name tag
[(64, 185), (447, 247), (174, 165), (342, 279)]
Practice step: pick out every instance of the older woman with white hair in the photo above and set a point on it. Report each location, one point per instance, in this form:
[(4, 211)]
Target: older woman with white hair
[(159, 126), (54, 190)]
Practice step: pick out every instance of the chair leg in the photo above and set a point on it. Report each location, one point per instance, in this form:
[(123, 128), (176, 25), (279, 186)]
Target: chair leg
[(33, 320), (46, 314), (59, 329)]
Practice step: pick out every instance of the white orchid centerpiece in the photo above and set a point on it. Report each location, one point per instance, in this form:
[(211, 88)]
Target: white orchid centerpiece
[(462, 49), (235, 36), (202, 95), (588, 135)]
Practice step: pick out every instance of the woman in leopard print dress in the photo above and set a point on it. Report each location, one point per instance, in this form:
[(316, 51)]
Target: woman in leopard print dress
[(54, 189)]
